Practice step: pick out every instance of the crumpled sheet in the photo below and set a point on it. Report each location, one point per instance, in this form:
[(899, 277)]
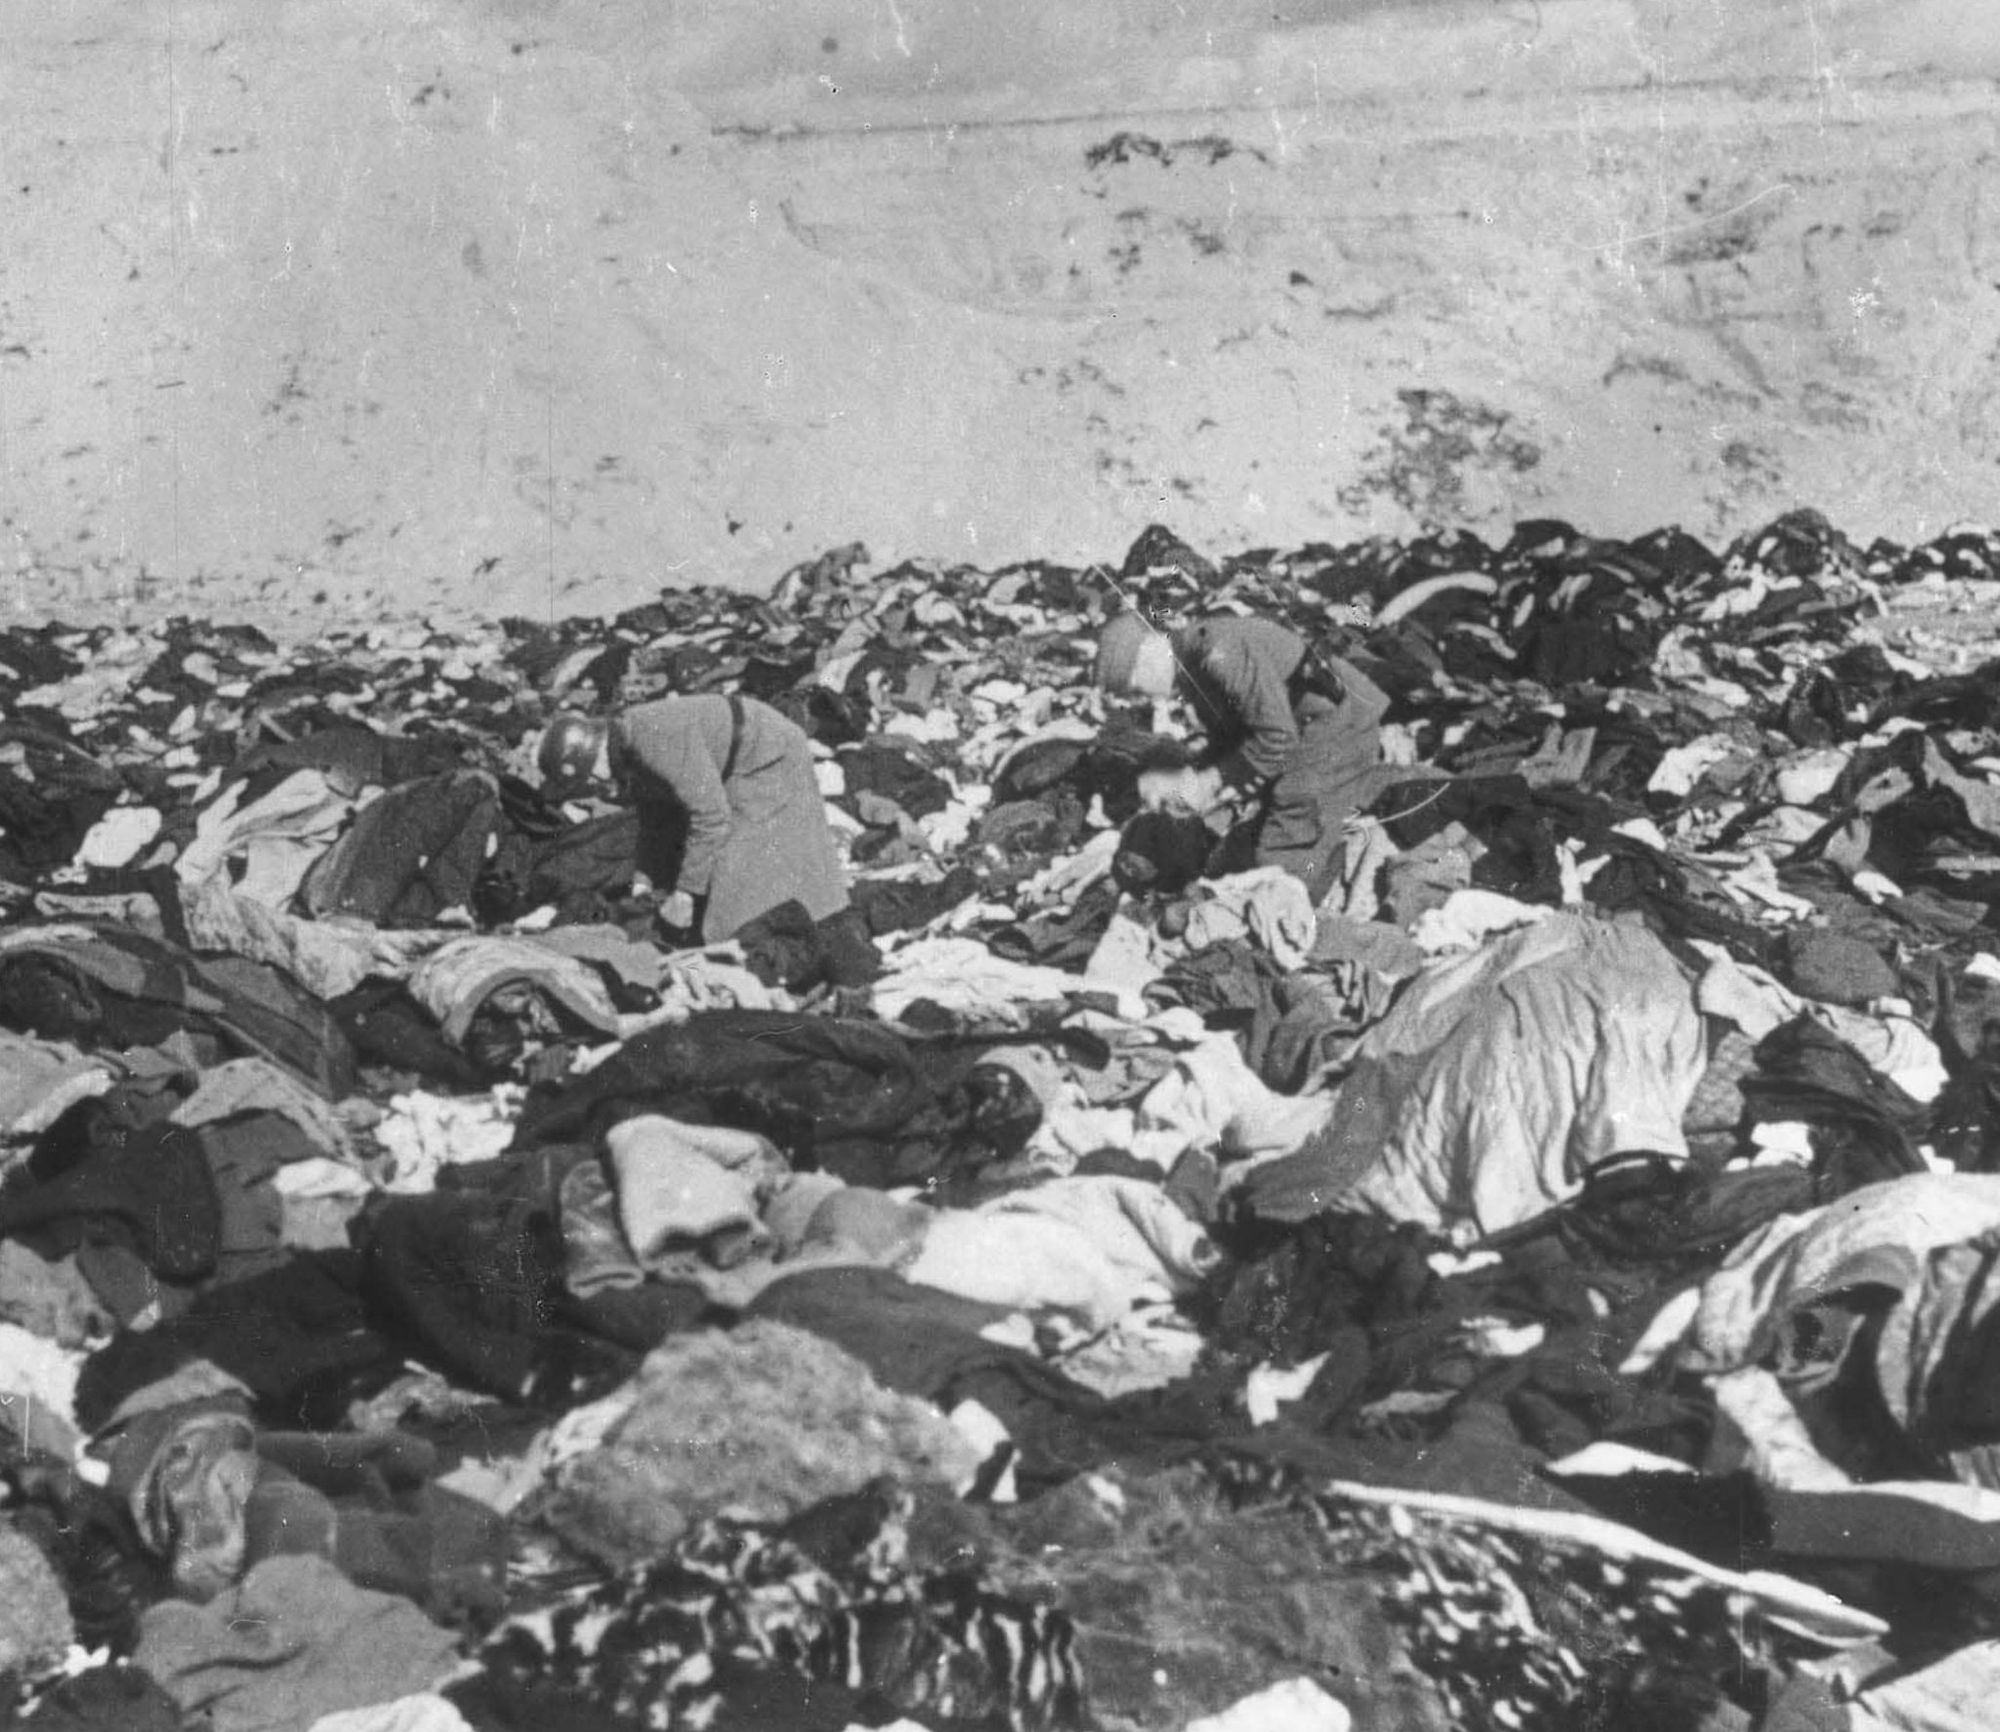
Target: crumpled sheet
[(1212, 1100), (276, 838), (329, 957), (1268, 906), (1776, 1323), (1095, 1248), (704, 982), (1757, 1002), (1467, 918), (1500, 1078), (1880, 1233)]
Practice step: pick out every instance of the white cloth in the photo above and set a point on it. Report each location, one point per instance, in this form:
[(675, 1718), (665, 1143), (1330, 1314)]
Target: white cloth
[(116, 838), (1212, 1099), (39, 1371), (458, 977), (1680, 767), (1129, 955), (1882, 1231), (1269, 906), (679, 1183), (1467, 918), (275, 838), (1498, 1079), (1062, 881), (1807, 776), (424, 1133), (1091, 1247)]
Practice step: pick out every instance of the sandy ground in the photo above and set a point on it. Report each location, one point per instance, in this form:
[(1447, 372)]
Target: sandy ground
[(343, 308)]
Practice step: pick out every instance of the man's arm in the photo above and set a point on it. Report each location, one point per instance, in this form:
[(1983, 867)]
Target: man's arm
[(679, 759)]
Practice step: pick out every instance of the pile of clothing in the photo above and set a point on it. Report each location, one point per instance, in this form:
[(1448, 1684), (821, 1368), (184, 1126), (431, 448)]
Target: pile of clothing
[(1545, 1281)]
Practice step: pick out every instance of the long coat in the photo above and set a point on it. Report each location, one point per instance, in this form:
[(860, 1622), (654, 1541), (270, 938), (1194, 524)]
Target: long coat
[(729, 808), (1299, 738)]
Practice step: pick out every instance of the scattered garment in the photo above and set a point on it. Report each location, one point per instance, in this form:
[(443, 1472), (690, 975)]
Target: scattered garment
[(1499, 1079), (682, 1187), (1096, 1248), (460, 977)]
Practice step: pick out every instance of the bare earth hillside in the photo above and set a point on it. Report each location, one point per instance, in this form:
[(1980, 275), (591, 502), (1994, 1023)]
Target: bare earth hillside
[(348, 307)]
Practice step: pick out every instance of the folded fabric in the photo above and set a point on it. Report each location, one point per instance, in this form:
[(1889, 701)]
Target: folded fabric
[(1755, 1001), (672, 1194), (249, 1085), (457, 978)]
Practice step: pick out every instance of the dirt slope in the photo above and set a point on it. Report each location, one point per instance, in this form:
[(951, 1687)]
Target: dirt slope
[(345, 307)]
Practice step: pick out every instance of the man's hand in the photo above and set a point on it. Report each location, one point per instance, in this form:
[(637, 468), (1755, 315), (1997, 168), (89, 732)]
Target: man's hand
[(1188, 790), (677, 910)]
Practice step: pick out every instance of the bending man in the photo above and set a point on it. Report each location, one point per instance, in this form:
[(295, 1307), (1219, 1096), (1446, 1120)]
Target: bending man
[(731, 821), (1292, 731)]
